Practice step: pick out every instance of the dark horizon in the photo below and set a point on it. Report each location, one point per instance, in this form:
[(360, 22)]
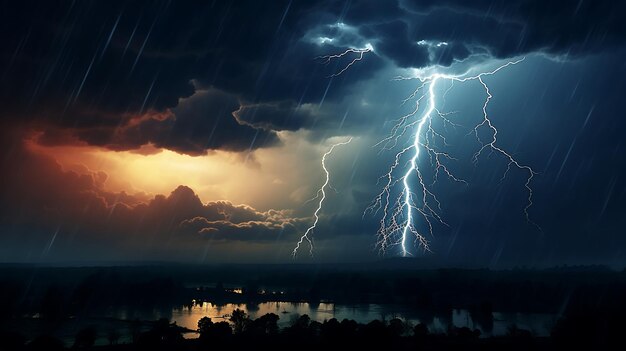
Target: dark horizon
[(399, 263)]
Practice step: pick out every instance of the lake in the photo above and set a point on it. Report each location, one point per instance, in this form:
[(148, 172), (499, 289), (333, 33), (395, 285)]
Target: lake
[(119, 318), (538, 324)]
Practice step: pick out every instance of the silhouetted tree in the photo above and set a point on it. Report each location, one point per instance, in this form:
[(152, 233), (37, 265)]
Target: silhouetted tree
[(204, 326), (514, 332), (240, 320), (213, 332), (315, 328), (349, 328), (397, 327), (331, 329), (301, 322), (46, 343), (85, 338), (113, 336), (163, 333), (265, 325), (420, 331), (299, 328), (375, 330), (221, 330), (463, 333), (577, 330)]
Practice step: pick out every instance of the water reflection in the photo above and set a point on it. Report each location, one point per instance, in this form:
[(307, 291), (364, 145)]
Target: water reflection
[(497, 324), (126, 322)]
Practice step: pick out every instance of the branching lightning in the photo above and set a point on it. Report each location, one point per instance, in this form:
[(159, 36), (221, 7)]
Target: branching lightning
[(397, 224), (360, 52), (321, 195), (399, 212)]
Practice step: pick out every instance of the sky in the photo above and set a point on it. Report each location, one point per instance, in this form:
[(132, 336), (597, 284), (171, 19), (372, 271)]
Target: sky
[(194, 131)]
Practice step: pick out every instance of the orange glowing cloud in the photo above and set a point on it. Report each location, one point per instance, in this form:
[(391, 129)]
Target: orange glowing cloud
[(260, 179)]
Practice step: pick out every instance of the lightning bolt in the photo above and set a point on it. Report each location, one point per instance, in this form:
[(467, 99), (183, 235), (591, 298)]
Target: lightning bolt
[(326, 59), (397, 223), (398, 216), (321, 194)]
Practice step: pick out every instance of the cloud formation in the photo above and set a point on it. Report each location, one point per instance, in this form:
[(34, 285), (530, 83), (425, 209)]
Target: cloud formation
[(87, 72), (39, 197)]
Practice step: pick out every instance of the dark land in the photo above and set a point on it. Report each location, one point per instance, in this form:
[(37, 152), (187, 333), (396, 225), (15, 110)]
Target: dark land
[(590, 303)]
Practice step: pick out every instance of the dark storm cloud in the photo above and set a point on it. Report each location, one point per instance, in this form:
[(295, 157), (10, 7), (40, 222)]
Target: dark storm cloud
[(90, 67), (393, 41), (284, 115), (201, 122), (500, 29), (509, 28)]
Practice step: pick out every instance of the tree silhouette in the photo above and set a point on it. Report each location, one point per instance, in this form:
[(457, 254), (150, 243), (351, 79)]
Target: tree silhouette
[(113, 336), (164, 335), (85, 338), (221, 330), (331, 329), (265, 325), (240, 320), (398, 327), (46, 343), (204, 326), (301, 322), (420, 331)]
